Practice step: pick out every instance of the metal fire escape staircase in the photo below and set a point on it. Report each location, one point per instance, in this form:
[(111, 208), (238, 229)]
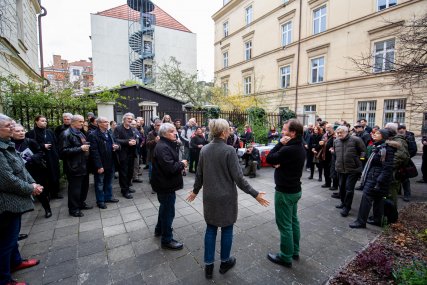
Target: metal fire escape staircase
[(141, 41)]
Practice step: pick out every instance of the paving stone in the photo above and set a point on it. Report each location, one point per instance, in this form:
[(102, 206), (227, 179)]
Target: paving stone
[(124, 269), (112, 221), (66, 241), (114, 230), (120, 253), (110, 213), (87, 226), (91, 235), (118, 240), (152, 211), (97, 276), (131, 216), (184, 265), (141, 234), (66, 222), (61, 255), (34, 276), (151, 259), (134, 280), (147, 245), (161, 274), (43, 227), (40, 236), (67, 281), (136, 225), (91, 247), (29, 250), (127, 210), (61, 271), (66, 231), (90, 262)]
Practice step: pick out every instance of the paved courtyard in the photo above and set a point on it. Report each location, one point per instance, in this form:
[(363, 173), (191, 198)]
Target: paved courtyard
[(117, 245)]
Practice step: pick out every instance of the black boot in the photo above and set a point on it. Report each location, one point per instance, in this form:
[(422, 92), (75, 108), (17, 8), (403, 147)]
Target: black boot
[(225, 266), (209, 271), (47, 213)]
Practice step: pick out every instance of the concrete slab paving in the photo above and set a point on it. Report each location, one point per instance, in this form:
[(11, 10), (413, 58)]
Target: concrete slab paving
[(117, 245)]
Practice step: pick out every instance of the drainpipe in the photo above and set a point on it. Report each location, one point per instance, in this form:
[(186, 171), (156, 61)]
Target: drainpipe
[(298, 63), (42, 14)]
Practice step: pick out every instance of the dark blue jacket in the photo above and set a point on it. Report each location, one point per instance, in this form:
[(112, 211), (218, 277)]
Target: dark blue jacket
[(101, 151)]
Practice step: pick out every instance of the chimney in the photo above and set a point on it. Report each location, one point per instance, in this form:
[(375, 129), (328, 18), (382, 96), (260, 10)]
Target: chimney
[(56, 61)]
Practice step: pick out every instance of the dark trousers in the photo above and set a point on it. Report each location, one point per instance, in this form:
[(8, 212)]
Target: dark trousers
[(319, 166), (194, 158), (365, 208), (333, 172), (347, 181), (309, 159), (44, 200), (424, 166), (126, 174), (144, 154), (10, 225), (326, 165), (166, 215), (78, 187), (53, 185)]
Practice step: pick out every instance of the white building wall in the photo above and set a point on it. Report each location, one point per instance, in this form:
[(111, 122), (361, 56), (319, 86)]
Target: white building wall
[(19, 53), (110, 49)]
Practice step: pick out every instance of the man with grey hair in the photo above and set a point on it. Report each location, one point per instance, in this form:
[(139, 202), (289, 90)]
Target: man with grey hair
[(152, 139), (165, 180), (66, 120), (74, 150), (186, 134), (125, 137), (350, 152)]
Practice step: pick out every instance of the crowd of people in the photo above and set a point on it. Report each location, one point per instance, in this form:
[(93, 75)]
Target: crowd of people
[(378, 157)]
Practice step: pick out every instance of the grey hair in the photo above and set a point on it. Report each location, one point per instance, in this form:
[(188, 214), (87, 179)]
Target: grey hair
[(165, 128), (342, 128), (217, 127), (4, 118), (76, 118), (157, 121), (99, 119), (19, 125), (391, 126), (68, 115), (128, 115)]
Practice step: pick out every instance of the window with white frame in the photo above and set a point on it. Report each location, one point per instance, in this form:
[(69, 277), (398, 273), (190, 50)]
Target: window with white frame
[(76, 72), (225, 29), (225, 59), (247, 85), (225, 87), (286, 33), (285, 76), (394, 110), (248, 50), (319, 20), (384, 55), (384, 4), (366, 110), (317, 69), (309, 108), (248, 15)]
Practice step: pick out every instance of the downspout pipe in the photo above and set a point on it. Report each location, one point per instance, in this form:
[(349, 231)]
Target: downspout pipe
[(39, 17), (298, 60)]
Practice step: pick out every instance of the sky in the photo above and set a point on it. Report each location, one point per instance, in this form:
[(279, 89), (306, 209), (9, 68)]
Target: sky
[(66, 28)]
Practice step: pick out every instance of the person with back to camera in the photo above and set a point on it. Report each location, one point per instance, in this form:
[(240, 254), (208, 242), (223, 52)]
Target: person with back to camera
[(218, 173)]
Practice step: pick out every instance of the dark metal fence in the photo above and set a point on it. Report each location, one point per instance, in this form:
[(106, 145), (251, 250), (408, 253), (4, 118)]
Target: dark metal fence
[(25, 115)]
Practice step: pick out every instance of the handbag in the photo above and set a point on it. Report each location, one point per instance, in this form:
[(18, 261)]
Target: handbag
[(411, 170)]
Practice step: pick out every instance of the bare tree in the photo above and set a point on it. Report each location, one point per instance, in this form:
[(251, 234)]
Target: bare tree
[(408, 66)]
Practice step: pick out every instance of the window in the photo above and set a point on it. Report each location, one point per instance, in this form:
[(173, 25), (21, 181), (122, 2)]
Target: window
[(366, 110), (317, 69), (285, 1), (225, 2), (286, 33), (248, 50), (50, 77), (319, 20), (225, 59), (225, 29), (247, 85), (76, 72), (384, 55), (394, 111), (225, 87), (285, 76), (384, 4), (248, 15), (309, 108)]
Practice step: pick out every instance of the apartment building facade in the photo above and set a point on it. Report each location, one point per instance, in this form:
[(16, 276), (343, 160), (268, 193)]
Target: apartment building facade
[(296, 54), (19, 40)]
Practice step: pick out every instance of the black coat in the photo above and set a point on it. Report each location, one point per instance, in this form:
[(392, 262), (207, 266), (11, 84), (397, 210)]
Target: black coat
[(380, 173), (75, 159), (167, 169), (197, 140), (36, 164), (51, 156), (291, 158), (253, 156), (101, 154), (59, 130), (122, 137)]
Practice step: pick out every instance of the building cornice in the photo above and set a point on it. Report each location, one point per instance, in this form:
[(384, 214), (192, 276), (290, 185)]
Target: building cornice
[(229, 6), (250, 34), (225, 46), (280, 18), (248, 69), (16, 58), (386, 27), (325, 46)]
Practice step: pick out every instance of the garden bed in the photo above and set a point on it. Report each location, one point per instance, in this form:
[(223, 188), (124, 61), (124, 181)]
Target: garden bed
[(397, 256)]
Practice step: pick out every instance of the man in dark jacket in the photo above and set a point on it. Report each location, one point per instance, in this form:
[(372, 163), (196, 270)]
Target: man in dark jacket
[(124, 136), (252, 159), (166, 179), (288, 157), (152, 139), (361, 133), (102, 155), (66, 120), (326, 156), (424, 161), (350, 151), (74, 151), (412, 150)]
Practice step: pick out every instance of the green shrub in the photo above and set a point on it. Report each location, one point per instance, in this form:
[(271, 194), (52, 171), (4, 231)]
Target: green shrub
[(414, 274)]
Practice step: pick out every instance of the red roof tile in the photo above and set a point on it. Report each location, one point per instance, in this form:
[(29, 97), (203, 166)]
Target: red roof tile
[(163, 19)]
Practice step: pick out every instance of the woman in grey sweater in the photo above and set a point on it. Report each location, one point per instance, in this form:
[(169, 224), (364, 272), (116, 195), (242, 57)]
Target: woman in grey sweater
[(218, 172)]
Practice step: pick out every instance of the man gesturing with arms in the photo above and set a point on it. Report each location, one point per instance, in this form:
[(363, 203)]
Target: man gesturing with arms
[(288, 157)]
